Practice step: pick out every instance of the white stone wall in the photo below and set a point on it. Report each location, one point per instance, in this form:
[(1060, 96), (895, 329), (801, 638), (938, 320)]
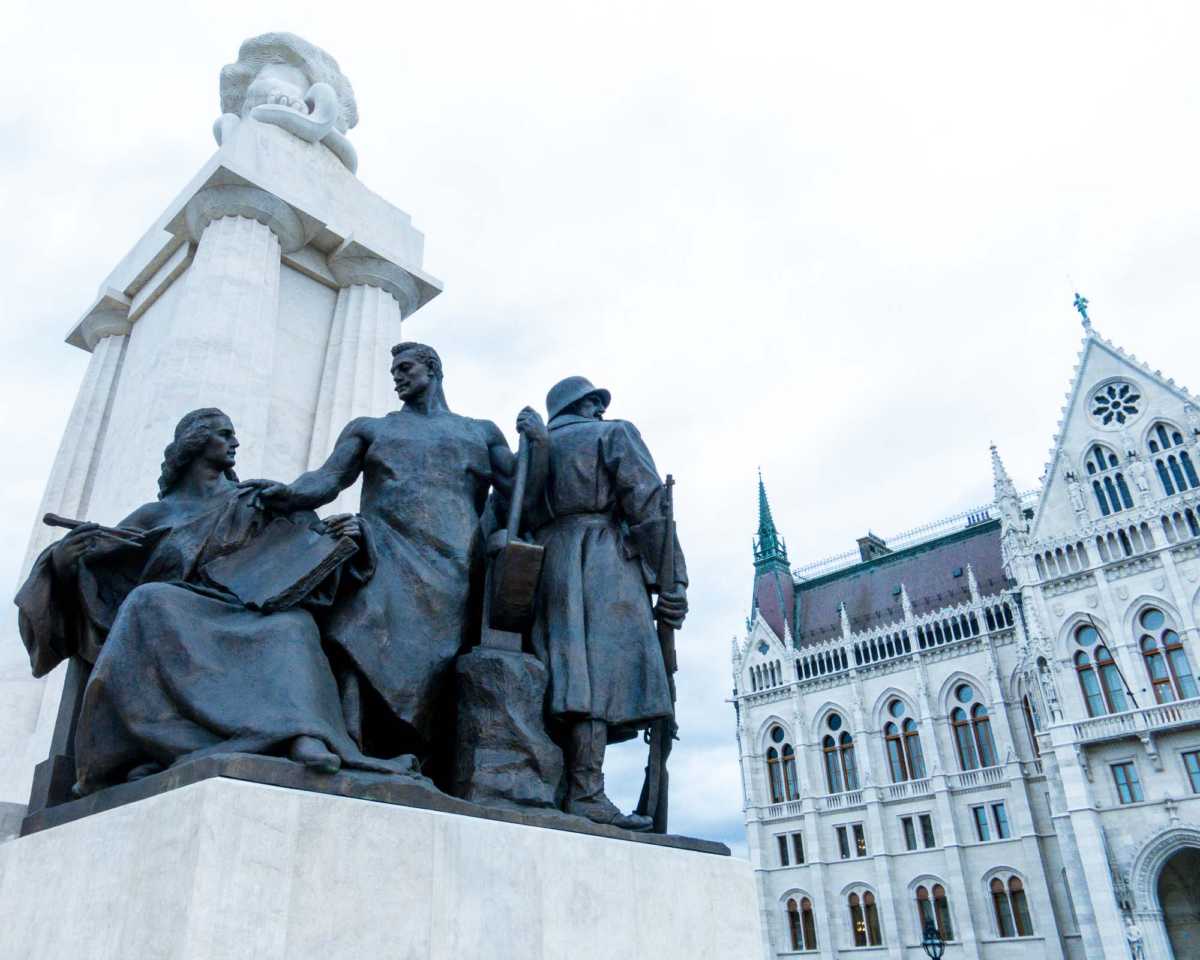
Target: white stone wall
[(239, 871)]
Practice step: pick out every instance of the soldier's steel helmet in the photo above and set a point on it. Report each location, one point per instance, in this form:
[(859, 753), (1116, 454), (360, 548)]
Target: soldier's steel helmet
[(568, 391)]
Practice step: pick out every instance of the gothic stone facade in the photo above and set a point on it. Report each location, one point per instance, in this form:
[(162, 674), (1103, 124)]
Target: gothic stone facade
[(992, 723)]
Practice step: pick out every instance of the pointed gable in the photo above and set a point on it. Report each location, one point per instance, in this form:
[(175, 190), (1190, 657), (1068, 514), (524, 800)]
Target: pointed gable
[(1113, 403)]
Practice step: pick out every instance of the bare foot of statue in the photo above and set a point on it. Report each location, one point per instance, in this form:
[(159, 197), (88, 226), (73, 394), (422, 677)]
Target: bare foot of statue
[(312, 753)]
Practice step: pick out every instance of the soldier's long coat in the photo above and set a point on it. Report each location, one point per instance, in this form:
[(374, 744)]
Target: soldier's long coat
[(602, 527)]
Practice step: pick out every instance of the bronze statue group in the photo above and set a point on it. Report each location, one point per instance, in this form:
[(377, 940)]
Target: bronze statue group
[(226, 617)]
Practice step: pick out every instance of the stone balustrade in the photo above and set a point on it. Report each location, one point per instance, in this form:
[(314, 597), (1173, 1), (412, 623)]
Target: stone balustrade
[(970, 779), (1144, 720)]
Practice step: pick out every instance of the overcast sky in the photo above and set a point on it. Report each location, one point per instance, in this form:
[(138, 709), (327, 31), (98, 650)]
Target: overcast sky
[(836, 240)]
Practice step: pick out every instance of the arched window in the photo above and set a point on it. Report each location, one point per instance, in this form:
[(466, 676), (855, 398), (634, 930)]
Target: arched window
[(1166, 661), (1010, 907), (1100, 678), (933, 907), (791, 787), (781, 767), (972, 730), (774, 775), (802, 927), (841, 772), (864, 919), (1108, 482), (903, 741), (1172, 462)]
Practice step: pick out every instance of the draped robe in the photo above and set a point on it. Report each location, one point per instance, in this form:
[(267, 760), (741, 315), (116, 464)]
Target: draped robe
[(181, 668)]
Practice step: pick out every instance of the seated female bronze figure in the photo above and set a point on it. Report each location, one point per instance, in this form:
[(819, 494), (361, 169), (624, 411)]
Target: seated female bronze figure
[(181, 667)]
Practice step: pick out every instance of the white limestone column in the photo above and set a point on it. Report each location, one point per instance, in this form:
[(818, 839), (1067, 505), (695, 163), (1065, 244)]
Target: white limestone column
[(221, 349), (31, 704), (356, 381), (71, 477)]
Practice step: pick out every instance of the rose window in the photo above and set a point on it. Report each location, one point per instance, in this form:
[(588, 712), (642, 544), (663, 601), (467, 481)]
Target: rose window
[(1115, 403)]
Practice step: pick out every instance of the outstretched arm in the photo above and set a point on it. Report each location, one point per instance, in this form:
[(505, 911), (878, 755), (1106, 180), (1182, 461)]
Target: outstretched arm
[(318, 487)]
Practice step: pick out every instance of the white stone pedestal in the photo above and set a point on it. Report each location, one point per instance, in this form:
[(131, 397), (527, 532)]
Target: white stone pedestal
[(226, 869)]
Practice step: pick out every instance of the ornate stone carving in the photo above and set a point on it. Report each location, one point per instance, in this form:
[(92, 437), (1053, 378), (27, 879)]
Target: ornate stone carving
[(1049, 688), (108, 317), (213, 203), (352, 264), (1137, 470), (1075, 491), (1192, 416), (282, 79), (1157, 846)]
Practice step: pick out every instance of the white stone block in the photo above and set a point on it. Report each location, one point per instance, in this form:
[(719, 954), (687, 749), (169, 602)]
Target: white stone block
[(230, 869)]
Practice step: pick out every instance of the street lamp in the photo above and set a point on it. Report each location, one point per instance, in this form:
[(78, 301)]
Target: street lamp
[(932, 941)]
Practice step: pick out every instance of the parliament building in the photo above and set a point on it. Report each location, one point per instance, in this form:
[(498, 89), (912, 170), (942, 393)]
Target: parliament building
[(991, 724)]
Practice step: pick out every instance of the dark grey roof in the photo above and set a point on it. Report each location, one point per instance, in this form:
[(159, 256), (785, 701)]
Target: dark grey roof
[(927, 570)]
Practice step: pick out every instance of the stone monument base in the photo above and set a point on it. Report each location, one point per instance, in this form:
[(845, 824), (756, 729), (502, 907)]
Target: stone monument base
[(233, 869)]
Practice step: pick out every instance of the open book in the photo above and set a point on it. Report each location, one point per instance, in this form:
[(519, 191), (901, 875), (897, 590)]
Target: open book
[(281, 566)]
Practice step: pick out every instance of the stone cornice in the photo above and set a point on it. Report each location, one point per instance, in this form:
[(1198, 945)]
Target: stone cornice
[(253, 203), (352, 263), (107, 316)]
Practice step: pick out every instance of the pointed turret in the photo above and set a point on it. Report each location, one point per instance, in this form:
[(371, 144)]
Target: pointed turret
[(1002, 482), (774, 591), (769, 548)]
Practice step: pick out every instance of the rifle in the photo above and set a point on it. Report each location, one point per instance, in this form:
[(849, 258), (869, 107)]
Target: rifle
[(663, 732)]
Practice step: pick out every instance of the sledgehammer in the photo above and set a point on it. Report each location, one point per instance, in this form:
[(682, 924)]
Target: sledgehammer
[(518, 565)]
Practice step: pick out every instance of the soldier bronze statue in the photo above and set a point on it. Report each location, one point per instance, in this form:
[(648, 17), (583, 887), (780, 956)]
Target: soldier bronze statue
[(602, 524)]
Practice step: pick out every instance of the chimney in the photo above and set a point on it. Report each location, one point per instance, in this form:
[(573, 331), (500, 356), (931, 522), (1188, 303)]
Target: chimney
[(872, 546)]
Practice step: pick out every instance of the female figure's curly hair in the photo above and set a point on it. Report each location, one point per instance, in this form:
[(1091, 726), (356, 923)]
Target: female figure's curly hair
[(192, 434)]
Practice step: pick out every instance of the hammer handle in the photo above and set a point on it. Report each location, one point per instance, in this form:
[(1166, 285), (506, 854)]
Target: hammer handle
[(518, 491)]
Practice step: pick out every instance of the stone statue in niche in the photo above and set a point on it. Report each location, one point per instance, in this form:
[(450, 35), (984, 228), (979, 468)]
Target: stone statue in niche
[(415, 604), (1049, 688), (1137, 470), (601, 522), (1133, 936), (282, 79), (182, 665), (1075, 492)]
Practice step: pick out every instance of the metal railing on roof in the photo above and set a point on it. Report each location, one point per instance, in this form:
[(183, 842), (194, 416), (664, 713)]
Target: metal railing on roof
[(909, 538)]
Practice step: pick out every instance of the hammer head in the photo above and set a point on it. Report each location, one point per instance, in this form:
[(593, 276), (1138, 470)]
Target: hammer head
[(514, 586)]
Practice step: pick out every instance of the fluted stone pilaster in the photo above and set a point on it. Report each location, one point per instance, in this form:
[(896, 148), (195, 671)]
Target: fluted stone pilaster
[(356, 380), (221, 348)]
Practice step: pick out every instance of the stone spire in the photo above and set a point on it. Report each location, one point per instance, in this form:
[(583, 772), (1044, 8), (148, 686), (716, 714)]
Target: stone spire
[(1003, 483), (774, 590), (769, 549)]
